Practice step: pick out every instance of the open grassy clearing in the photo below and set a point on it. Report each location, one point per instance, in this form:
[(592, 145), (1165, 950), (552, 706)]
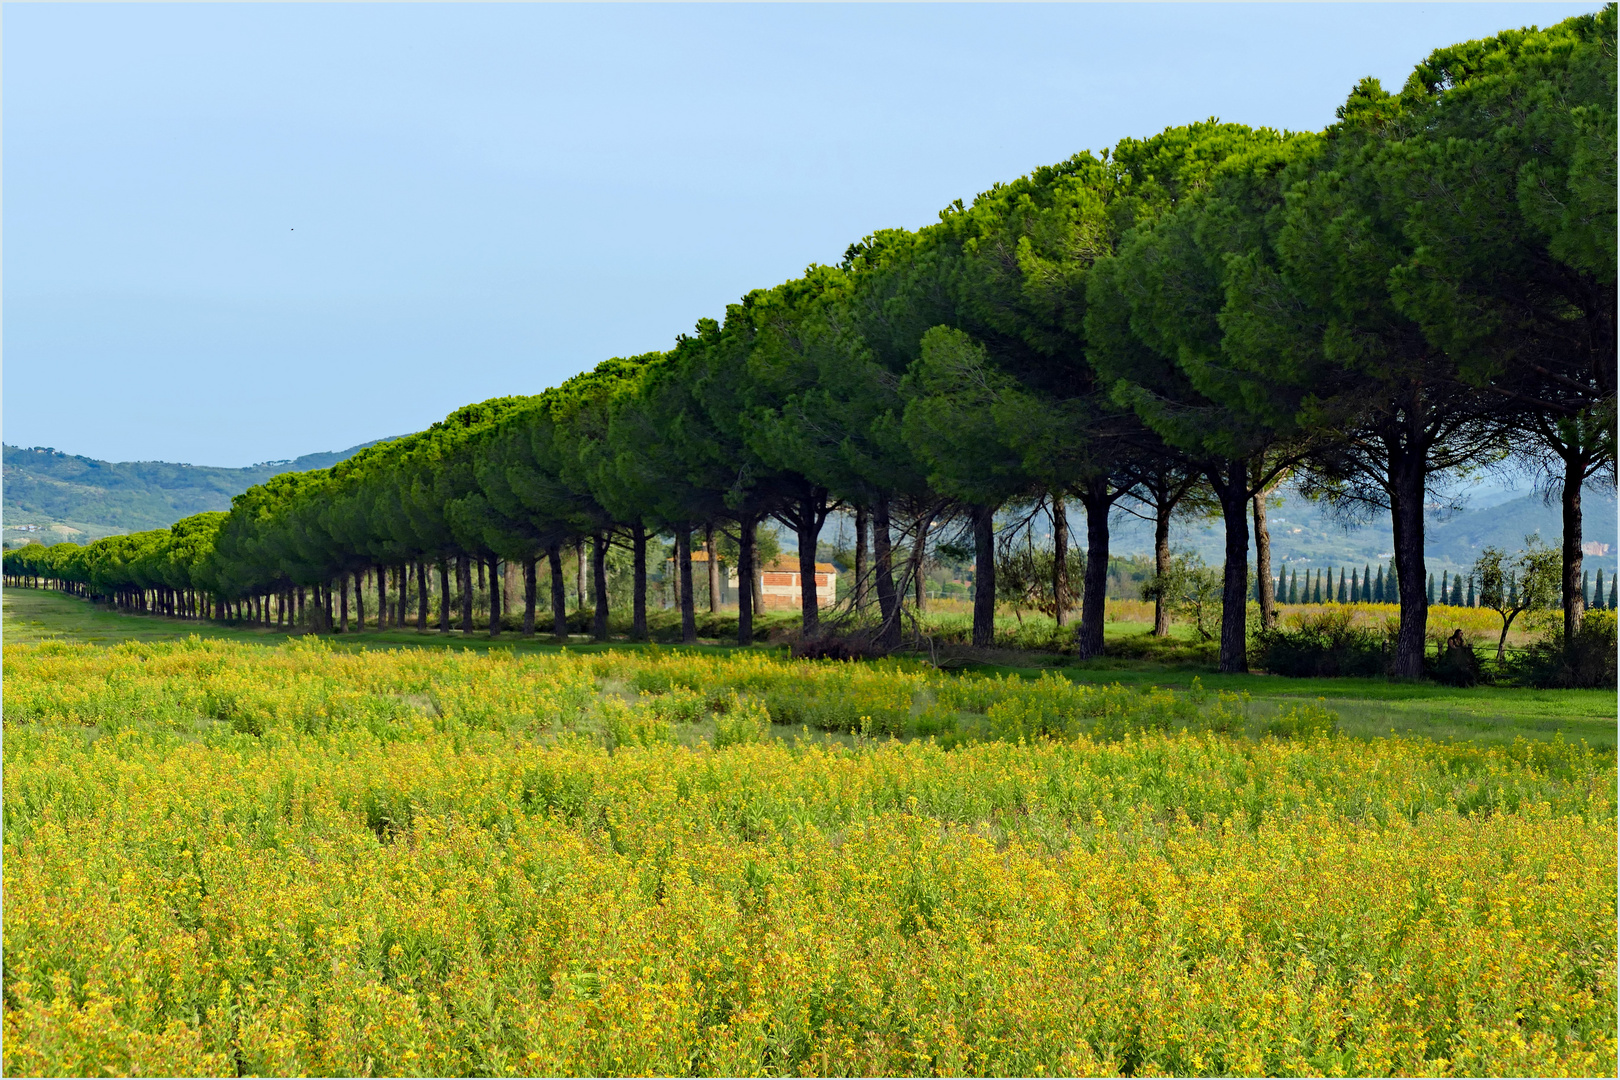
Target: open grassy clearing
[(1372, 707), (1365, 707)]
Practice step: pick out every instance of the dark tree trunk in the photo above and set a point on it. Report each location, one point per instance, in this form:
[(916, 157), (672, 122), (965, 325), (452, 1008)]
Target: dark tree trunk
[(714, 568), (809, 532), (529, 590), (559, 593), (599, 548), (1262, 563), (359, 601), (1161, 566), (919, 555), (343, 603), (861, 584), (444, 596), (883, 572), (496, 592), (480, 563), (984, 576), (1233, 491), (1060, 558), (1406, 511), (1088, 638), (638, 561), (464, 582), (683, 573), (326, 593), (383, 610), (422, 599), (745, 580), (1575, 469)]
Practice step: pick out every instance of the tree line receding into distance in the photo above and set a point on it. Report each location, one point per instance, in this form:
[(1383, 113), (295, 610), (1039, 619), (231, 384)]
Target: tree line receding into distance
[(1423, 289)]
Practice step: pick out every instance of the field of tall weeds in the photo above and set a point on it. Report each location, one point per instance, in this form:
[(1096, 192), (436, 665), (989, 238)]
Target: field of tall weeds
[(224, 858)]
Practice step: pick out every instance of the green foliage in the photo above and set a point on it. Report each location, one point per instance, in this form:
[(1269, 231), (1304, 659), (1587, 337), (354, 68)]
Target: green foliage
[(1306, 721), (1190, 590), (1024, 577), (1510, 586), (1586, 660), (1323, 645)]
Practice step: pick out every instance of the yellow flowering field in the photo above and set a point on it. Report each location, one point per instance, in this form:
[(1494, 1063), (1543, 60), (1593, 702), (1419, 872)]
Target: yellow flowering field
[(225, 858)]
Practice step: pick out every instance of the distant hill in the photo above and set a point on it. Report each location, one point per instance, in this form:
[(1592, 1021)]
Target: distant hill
[(1305, 534), (51, 495)]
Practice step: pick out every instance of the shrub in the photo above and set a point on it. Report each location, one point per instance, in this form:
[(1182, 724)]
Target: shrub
[(744, 720), (1302, 722), (857, 646), (1191, 590), (1588, 661), (1456, 666), (627, 725), (1324, 644)]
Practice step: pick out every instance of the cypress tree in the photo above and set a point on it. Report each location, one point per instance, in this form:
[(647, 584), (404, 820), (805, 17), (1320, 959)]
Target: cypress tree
[(1293, 587), (1586, 588), (1470, 590), (1445, 587), (1316, 591), (1366, 584), (1456, 591), (1355, 587), (1378, 590), (1344, 593), (1430, 593), (1614, 593)]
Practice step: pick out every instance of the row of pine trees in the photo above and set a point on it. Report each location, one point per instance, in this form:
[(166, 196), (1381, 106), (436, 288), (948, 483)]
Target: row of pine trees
[(1364, 587)]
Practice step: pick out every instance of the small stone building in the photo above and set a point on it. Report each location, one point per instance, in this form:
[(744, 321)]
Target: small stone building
[(780, 587)]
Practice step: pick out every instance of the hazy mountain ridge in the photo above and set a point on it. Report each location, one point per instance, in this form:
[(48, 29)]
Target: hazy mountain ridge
[(1306, 534), (46, 487)]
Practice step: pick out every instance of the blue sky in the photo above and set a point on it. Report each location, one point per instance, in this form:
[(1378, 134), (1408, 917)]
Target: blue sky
[(236, 233)]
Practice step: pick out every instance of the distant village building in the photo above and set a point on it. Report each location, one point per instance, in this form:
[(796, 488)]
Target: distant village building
[(779, 588), (782, 588)]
